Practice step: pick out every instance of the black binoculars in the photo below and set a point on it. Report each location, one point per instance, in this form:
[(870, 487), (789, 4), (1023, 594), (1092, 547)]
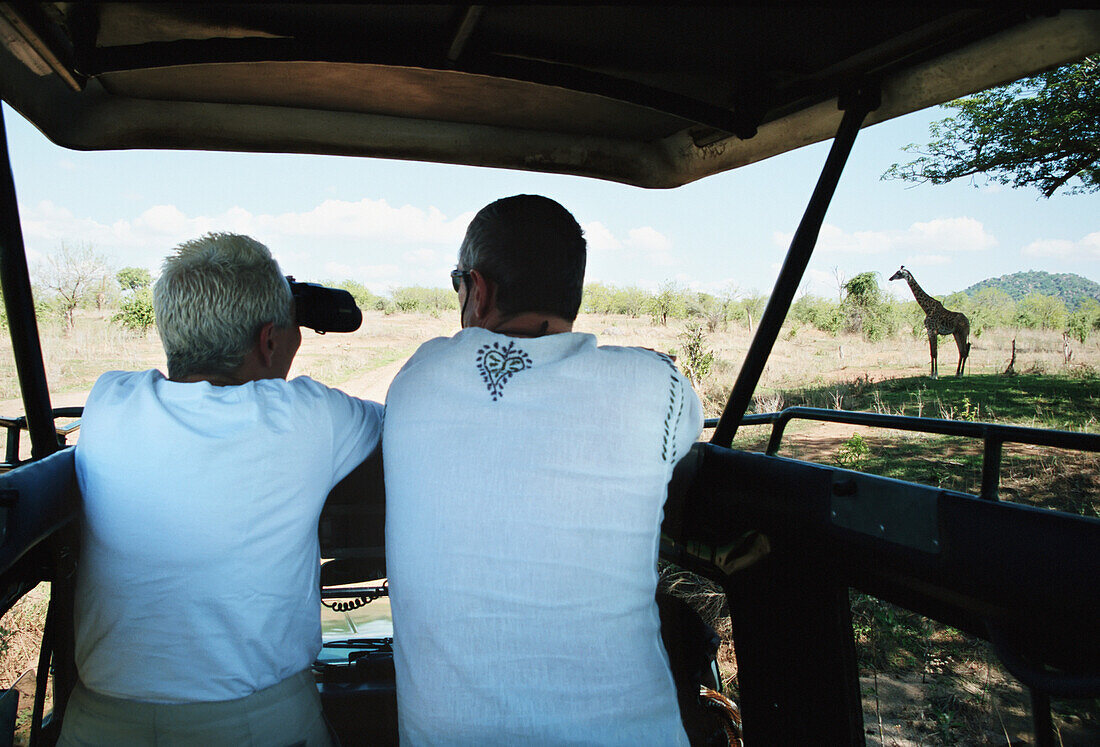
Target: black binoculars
[(324, 309)]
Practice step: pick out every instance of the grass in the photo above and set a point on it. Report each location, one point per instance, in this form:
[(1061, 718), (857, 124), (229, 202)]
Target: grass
[(1069, 400)]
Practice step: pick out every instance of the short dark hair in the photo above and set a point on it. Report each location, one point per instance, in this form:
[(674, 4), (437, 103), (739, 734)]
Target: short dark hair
[(533, 249)]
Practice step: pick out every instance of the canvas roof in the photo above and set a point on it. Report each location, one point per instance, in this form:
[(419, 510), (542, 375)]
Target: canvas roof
[(655, 96)]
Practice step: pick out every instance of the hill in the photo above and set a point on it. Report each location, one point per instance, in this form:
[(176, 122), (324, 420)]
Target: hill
[(1068, 286)]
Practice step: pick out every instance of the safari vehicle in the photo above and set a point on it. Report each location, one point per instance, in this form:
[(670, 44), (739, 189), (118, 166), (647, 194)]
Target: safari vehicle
[(649, 96)]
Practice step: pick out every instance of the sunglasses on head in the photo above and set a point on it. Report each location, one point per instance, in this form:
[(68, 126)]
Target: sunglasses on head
[(457, 276)]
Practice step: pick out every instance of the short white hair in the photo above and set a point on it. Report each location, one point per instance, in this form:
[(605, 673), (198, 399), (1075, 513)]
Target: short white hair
[(213, 296)]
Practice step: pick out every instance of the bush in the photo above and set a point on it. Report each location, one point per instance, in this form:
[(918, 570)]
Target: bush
[(818, 313), (669, 301), (136, 312), (853, 453), (1082, 321), (865, 311), (364, 299), (1038, 310), (426, 300), (695, 359), (133, 278)]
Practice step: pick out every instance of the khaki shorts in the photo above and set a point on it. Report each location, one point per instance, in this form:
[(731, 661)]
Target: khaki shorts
[(288, 713)]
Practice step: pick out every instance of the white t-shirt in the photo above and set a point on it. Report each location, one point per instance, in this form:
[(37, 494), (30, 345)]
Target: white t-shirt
[(525, 485), (199, 568)]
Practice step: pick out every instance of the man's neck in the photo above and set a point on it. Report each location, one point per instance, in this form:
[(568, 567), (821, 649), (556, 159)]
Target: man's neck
[(529, 324), (215, 379)]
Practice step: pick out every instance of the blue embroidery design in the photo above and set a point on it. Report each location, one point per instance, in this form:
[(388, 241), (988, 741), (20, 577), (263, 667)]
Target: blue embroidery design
[(497, 364), (672, 417)]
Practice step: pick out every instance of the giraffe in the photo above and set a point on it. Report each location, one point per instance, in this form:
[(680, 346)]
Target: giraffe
[(939, 321)]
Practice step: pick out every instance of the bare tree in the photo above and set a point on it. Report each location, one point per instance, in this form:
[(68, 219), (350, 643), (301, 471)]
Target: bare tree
[(753, 304), (841, 282), (72, 273)]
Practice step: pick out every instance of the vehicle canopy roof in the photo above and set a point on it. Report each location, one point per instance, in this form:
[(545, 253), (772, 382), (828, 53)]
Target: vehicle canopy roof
[(653, 96)]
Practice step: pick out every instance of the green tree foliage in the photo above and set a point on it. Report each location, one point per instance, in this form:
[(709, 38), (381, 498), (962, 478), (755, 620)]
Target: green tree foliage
[(133, 278), (865, 310), (668, 301), (1084, 320), (631, 301), (1040, 311), (990, 307), (364, 299), (596, 299), (1070, 287), (714, 310), (752, 306), (426, 300), (695, 358), (608, 299), (1041, 132), (817, 312), (136, 312)]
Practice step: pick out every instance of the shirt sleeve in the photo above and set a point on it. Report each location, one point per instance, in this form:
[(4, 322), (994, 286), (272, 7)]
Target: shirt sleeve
[(689, 423), (356, 431)]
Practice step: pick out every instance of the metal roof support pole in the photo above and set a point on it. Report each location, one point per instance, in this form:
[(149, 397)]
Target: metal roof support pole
[(15, 281), (856, 107)]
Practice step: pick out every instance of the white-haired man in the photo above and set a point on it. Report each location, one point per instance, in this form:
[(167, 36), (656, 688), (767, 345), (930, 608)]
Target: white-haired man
[(526, 472), (197, 609)]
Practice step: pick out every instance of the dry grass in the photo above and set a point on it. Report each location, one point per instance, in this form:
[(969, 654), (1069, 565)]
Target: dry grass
[(21, 633)]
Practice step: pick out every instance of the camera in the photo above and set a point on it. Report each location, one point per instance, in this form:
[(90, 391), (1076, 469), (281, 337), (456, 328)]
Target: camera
[(324, 309)]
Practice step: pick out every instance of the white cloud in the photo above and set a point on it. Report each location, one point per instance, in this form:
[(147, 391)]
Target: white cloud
[(373, 220), (1085, 248), (649, 239), (310, 244), (643, 246), (941, 235), (600, 238), (653, 247), (422, 257), (952, 235)]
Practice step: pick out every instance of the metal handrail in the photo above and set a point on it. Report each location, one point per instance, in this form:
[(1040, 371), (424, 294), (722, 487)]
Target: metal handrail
[(993, 435), (13, 426)]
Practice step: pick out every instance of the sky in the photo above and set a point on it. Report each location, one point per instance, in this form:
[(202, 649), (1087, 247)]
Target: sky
[(396, 223)]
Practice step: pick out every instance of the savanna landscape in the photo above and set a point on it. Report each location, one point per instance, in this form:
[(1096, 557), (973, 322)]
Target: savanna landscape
[(923, 683)]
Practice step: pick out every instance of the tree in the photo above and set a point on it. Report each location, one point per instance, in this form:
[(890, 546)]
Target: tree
[(133, 278), (818, 312), (596, 299), (668, 302), (71, 273), (695, 359), (1084, 320), (1041, 311), (1038, 132), (362, 296), (990, 307), (136, 312), (864, 308), (753, 306)]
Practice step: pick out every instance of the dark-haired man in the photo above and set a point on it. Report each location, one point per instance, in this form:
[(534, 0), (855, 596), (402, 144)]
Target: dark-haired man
[(526, 473)]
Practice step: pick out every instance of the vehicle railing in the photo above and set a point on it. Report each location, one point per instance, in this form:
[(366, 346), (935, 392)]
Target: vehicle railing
[(15, 426), (993, 435)]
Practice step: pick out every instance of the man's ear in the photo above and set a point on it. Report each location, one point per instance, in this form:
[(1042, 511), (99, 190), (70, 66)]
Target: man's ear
[(265, 344), (485, 295)]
